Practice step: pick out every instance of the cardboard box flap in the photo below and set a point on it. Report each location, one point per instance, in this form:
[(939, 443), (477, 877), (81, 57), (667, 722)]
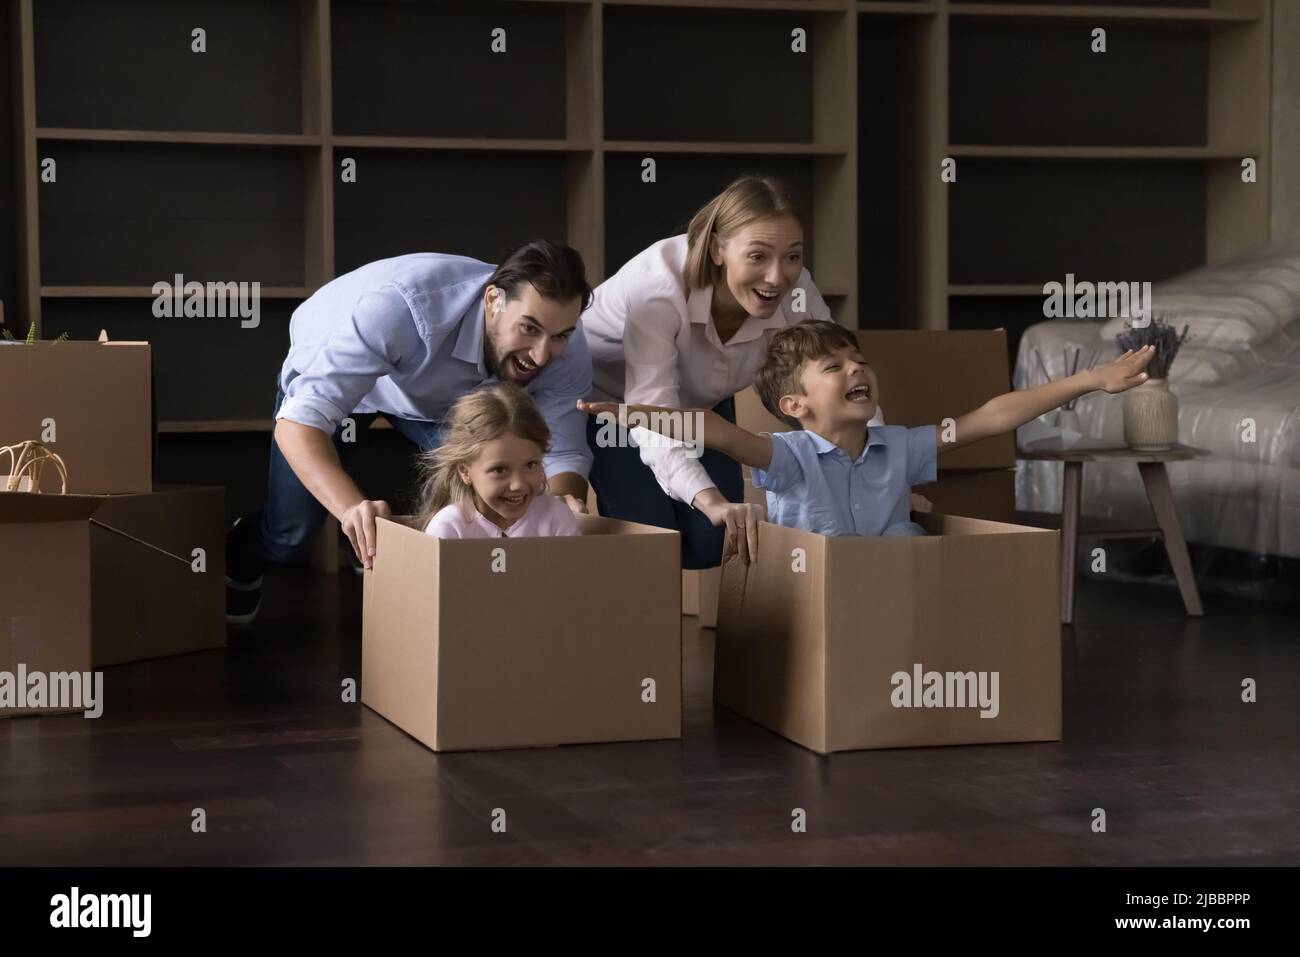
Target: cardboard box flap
[(151, 518), (598, 525), (769, 653), (398, 676), (126, 626), (19, 508), (938, 524)]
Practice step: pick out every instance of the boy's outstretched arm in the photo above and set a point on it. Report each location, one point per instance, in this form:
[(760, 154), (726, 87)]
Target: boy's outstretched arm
[(1013, 409), (711, 429)]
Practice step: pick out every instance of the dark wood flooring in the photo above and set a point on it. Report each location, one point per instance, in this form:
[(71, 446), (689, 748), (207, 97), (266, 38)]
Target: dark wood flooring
[(256, 735)]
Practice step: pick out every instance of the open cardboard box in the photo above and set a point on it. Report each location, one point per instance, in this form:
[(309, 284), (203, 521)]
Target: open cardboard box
[(813, 634), (502, 643), (925, 376), (91, 402), (98, 580)]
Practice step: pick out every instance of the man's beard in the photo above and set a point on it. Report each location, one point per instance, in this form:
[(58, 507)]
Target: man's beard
[(490, 361)]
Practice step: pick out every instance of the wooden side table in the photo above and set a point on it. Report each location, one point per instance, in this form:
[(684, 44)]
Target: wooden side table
[(1151, 466)]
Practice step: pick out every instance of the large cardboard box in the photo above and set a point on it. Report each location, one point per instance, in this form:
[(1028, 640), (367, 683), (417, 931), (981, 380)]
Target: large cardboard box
[(823, 640), (928, 375), (498, 643), (99, 580), (91, 402)]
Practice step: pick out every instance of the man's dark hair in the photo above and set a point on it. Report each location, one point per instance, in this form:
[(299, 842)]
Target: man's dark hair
[(555, 270)]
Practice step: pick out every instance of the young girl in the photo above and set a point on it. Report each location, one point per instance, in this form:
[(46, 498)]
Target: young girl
[(486, 480)]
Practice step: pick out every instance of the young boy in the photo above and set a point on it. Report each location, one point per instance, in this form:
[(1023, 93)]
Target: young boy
[(833, 475)]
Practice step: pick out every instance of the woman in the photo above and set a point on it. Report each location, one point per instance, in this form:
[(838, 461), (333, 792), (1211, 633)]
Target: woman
[(685, 323)]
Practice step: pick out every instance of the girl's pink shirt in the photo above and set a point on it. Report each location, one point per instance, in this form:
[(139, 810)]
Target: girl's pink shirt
[(546, 515)]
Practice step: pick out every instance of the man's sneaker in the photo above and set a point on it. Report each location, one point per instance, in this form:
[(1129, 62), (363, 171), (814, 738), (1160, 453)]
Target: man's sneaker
[(243, 591), (242, 601)]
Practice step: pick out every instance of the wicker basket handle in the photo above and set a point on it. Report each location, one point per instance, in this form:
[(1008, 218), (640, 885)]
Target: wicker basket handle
[(28, 459)]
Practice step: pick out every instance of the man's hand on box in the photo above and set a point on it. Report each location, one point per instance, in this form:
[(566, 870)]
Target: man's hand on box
[(358, 523), (921, 504)]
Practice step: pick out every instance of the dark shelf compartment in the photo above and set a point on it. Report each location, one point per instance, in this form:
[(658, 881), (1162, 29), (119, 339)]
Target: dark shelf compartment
[(890, 58), (685, 75), (638, 214), (467, 203), (1033, 221), (98, 65), (9, 203), (437, 76), (131, 214), (1149, 89), (209, 368), (1015, 314), (381, 462)]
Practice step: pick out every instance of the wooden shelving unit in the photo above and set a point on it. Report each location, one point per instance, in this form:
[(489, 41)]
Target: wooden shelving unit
[(227, 167), (1098, 12), (1123, 166), (1193, 154), (175, 136)]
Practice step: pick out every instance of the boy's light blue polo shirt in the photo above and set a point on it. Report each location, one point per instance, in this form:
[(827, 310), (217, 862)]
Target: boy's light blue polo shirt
[(811, 484)]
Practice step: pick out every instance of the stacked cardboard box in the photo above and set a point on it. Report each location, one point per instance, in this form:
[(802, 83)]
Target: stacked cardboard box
[(88, 401), (116, 570)]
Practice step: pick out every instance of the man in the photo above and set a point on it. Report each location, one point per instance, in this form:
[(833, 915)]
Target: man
[(405, 338)]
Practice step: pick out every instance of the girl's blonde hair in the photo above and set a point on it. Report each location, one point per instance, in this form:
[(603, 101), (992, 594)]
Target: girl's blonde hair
[(475, 419), (745, 201)]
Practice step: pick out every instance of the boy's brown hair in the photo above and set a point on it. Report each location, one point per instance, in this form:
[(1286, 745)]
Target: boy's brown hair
[(787, 353)]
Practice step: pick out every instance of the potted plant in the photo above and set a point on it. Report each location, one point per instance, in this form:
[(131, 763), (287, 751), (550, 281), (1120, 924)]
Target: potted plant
[(1150, 409)]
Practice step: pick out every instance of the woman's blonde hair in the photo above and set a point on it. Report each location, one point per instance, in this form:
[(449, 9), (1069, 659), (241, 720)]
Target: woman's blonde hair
[(476, 418), (745, 201)]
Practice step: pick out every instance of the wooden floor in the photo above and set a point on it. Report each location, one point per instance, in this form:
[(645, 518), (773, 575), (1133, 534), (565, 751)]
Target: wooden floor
[(1155, 733)]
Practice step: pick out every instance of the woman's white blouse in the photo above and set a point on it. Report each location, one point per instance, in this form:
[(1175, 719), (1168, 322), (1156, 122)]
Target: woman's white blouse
[(653, 342)]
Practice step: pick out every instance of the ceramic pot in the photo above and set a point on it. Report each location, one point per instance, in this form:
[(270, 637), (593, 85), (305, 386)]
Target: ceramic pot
[(1151, 417)]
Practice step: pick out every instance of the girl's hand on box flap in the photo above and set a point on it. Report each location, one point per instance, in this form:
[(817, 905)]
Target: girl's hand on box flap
[(358, 523), (1126, 371)]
